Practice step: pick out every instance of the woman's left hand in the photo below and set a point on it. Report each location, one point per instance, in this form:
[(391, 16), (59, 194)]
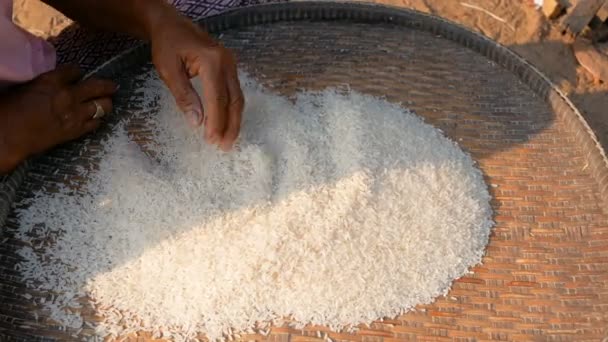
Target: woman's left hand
[(181, 50)]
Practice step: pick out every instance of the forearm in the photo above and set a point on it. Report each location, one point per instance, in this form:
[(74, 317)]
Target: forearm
[(138, 18)]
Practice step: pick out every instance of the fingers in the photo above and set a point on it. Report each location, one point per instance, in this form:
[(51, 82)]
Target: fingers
[(65, 74), (235, 110), (90, 125), (93, 88), (216, 99), (86, 110), (81, 119), (77, 130), (74, 104), (55, 108), (176, 78), (222, 99)]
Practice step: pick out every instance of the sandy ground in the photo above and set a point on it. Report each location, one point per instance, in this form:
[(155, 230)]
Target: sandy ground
[(525, 30)]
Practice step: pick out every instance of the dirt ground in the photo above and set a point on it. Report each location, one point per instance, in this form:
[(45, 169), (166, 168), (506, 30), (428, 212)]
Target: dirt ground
[(522, 28)]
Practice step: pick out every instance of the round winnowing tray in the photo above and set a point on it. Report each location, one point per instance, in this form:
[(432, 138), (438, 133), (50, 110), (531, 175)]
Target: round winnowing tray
[(545, 276)]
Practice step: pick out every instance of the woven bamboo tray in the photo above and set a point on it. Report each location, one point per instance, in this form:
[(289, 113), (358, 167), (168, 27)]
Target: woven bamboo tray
[(545, 276)]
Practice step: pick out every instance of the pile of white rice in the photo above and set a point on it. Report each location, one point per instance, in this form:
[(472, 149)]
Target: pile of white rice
[(335, 210)]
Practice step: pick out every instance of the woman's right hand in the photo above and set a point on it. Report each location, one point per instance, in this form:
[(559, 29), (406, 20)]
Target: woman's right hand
[(52, 109)]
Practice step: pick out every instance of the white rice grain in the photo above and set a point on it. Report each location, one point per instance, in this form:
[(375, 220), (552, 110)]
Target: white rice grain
[(335, 210)]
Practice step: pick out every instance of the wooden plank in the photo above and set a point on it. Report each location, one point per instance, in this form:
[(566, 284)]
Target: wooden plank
[(602, 13), (591, 59), (552, 8), (581, 14)]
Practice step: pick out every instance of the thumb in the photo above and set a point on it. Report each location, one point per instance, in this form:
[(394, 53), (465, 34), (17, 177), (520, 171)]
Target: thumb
[(186, 98)]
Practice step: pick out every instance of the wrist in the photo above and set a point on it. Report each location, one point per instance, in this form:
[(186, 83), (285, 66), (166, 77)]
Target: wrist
[(12, 150), (10, 155), (155, 16)]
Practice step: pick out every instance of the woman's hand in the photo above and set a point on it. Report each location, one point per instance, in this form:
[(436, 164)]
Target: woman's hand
[(180, 51), (52, 109)]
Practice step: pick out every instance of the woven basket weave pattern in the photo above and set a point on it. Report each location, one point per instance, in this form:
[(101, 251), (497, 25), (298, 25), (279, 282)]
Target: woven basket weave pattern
[(545, 276)]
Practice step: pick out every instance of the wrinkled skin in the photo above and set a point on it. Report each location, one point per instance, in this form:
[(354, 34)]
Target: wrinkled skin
[(184, 51), (56, 107), (52, 109)]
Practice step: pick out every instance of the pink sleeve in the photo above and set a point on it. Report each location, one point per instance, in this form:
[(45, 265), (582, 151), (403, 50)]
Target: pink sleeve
[(23, 56)]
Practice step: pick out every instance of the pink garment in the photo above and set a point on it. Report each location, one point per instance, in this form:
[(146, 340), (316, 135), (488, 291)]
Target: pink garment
[(23, 56)]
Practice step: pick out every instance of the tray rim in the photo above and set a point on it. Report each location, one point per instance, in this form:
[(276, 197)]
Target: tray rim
[(371, 13)]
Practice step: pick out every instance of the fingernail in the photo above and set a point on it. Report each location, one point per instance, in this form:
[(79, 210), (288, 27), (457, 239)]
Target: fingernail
[(226, 147), (212, 138), (194, 116)]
